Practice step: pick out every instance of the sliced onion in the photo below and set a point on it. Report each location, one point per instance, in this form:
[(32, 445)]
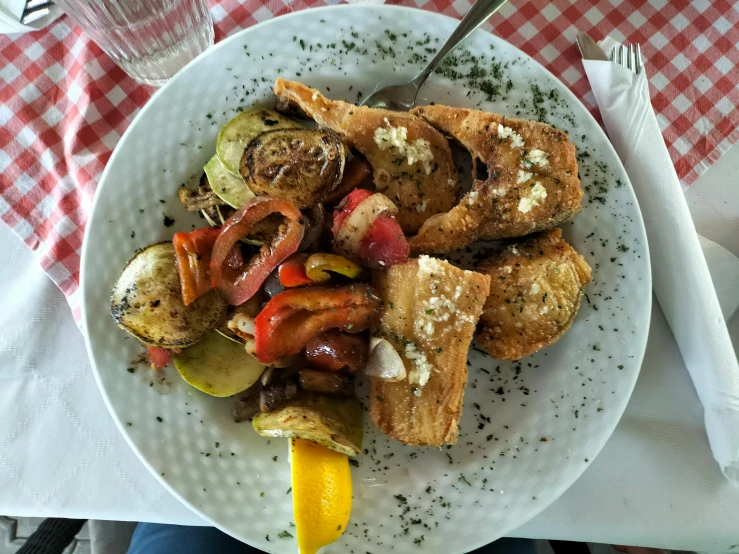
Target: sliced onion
[(359, 221), (384, 362)]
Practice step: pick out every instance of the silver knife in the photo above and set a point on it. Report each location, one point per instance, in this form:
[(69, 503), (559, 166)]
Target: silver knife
[(589, 49)]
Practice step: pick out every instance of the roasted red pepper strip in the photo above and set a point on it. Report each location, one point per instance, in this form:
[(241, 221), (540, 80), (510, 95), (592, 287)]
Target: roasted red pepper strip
[(292, 318), (193, 251), (292, 272), (238, 285)]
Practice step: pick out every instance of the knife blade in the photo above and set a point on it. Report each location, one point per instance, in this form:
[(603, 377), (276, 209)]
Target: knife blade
[(589, 49)]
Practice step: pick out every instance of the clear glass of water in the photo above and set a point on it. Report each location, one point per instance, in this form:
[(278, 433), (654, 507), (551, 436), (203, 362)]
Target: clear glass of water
[(149, 39)]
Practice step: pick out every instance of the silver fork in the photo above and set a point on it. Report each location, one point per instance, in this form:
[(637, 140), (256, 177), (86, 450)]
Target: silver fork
[(628, 56), (403, 97)]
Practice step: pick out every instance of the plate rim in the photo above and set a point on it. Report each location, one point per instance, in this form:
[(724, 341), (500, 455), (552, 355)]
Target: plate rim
[(85, 280)]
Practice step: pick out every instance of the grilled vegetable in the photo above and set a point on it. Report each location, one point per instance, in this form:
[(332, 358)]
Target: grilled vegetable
[(228, 187), (336, 351), (159, 357), (192, 252), (216, 215), (317, 267), (292, 318), (303, 166), (275, 395), (331, 421), (315, 225), (292, 272), (246, 405), (365, 229), (325, 382), (240, 284), (239, 132), (357, 170), (218, 366), (147, 302), (384, 362), (201, 198)]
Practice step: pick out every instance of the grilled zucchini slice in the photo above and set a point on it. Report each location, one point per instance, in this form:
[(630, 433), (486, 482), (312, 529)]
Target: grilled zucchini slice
[(331, 421), (146, 301), (238, 132)]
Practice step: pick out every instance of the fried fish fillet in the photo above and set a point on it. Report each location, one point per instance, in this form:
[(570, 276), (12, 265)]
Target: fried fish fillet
[(535, 292), (411, 161), (532, 181), (431, 309)]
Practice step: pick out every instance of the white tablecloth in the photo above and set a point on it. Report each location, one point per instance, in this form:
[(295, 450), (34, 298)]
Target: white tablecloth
[(654, 484)]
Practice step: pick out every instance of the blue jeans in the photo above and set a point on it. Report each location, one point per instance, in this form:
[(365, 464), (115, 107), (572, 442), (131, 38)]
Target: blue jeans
[(155, 538)]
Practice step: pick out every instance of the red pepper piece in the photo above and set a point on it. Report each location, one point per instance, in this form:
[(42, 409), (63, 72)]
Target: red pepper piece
[(238, 285), (294, 317)]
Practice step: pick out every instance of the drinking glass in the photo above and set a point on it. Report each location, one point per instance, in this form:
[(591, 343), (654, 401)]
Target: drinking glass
[(149, 39)]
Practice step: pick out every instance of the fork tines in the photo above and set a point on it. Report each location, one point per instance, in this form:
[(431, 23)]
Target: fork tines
[(629, 57)]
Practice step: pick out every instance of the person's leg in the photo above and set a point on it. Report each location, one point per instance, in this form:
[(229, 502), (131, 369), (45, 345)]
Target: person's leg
[(156, 538)]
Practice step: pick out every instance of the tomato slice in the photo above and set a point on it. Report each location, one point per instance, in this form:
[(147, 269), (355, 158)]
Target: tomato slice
[(240, 284), (292, 271), (384, 244), (347, 206), (159, 357), (192, 253), (294, 317)]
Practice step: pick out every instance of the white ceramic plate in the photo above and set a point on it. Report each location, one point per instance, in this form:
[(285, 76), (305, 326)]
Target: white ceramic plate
[(529, 429)]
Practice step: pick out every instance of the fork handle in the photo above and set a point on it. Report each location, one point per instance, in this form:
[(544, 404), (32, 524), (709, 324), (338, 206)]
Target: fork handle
[(478, 14)]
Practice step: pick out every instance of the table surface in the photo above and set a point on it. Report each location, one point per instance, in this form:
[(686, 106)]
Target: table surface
[(626, 496)]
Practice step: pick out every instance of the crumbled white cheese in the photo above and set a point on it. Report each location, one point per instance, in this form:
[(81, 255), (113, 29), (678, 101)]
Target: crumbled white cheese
[(431, 265), (523, 176), (544, 310), (421, 372), (507, 132), (538, 194), (396, 138), (315, 96), (535, 288), (513, 248), (539, 157), (499, 191), (507, 270), (473, 197), (421, 206)]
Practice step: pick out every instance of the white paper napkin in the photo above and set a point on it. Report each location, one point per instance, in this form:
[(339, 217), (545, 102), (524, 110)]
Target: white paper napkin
[(681, 279)]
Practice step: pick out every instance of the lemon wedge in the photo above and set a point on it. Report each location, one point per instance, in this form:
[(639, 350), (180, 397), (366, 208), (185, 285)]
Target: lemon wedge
[(322, 494)]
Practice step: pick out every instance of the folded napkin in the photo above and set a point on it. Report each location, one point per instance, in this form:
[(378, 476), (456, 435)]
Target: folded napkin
[(680, 274), (10, 18)]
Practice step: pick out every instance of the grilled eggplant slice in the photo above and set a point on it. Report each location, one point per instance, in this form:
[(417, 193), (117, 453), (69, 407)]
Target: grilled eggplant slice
[(238, 132), (304, 166), (146, 301), (229, 188), (331, 421)]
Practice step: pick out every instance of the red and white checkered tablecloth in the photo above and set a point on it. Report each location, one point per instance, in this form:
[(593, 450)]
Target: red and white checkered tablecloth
[(64, 104)]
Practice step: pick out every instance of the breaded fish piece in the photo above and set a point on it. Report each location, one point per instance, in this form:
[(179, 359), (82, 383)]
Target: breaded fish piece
[(532, 182), (411, 161), (535, 292), (430, 312)]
